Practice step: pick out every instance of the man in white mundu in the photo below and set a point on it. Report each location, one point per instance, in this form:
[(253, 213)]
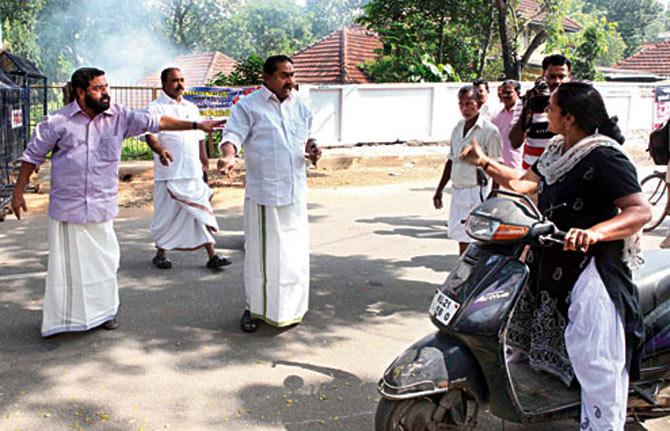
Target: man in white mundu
[(272, 125), (183, 215)]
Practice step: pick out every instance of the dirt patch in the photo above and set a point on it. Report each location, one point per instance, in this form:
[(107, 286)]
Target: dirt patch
[(135, 193)]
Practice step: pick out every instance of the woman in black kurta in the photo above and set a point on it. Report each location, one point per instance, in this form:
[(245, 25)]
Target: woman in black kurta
[(589, 188)]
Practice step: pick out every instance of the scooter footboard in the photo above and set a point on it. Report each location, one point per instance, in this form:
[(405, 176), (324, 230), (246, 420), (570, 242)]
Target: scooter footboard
[(433, 365)]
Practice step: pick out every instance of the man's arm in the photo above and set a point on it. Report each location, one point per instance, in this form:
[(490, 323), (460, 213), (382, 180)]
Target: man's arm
[(204, 160), (18, 202), (175, 124), (43, 140), (446, 176), (517, 134), (164, 155), (226, 161)]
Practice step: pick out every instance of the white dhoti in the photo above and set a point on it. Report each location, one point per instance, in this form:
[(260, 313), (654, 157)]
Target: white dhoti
[(276, 262), (595, 341), (462, 202), (81, 291), (183, 215)]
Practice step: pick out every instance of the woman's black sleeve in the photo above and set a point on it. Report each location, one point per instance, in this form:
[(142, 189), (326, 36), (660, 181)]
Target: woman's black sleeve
[(615, 176)]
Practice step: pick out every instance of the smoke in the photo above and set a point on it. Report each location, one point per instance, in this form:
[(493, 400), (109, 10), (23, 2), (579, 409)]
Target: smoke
[(122, 37), (135, 54)]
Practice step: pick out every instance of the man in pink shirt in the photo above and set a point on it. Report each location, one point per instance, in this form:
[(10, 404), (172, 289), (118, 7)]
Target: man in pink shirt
[(509, 95), (85, 139)]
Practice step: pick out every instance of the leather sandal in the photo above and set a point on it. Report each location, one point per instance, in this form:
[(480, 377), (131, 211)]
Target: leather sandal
[(247, 323), (110, 325), (161, 262), (216, 262)]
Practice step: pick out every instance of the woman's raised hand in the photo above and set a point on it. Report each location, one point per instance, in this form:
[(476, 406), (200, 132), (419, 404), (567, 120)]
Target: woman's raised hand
[(473, 153)]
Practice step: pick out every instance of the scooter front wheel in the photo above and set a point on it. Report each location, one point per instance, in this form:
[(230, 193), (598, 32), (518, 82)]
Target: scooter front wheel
[(454, 410)]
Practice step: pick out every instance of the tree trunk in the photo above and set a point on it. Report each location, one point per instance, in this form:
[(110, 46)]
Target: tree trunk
[(487, 41), (178, 23), (440, 45), (537, 41), (507, 53)]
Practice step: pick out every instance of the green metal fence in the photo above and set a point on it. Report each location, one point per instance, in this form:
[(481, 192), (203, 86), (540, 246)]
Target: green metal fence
[(131, 97)]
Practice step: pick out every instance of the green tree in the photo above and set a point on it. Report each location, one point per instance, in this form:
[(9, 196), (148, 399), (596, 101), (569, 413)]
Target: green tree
[(597, 44), (17, 21), (592, 47), (188, 23), (246, 72), (512, 25), (331, 15), (635, 19), (450, 32), (263, 28)]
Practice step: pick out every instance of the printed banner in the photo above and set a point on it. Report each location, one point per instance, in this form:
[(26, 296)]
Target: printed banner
[(17, 118), (661, 106), (216, 102)]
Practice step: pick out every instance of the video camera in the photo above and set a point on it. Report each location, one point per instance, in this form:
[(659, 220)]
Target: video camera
[(537, 98)]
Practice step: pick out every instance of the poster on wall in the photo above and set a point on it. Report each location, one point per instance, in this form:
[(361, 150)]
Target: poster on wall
[(17, 118), (661, 106), (216, 102)]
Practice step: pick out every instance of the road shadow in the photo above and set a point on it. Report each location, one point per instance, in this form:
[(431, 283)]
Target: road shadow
[(410, 226), (192, 314), (298, 405)]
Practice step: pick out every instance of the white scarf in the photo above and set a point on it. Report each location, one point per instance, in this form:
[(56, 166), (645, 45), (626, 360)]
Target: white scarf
[(554, 164)]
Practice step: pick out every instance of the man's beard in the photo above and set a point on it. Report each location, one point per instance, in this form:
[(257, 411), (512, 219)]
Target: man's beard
[(97, 106)]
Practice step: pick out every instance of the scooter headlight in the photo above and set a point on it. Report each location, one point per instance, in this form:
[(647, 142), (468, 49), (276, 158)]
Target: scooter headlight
[(484, 228)]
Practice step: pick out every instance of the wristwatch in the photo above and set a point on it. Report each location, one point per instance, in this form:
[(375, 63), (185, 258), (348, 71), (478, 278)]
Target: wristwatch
[(194, 125)]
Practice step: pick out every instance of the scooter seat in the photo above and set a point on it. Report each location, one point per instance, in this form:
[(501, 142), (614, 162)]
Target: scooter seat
[(653, 279)]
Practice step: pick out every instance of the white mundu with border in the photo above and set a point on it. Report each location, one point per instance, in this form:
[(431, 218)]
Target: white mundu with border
[(81, 291), (183, 215)]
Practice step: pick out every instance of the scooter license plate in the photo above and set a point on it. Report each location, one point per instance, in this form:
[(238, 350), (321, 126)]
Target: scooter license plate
[(443, 308)]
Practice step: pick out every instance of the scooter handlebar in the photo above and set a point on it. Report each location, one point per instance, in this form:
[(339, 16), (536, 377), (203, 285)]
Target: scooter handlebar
[(556, 237)]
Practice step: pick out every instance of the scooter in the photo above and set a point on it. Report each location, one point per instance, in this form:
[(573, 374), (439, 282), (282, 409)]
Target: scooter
[(443, 380)]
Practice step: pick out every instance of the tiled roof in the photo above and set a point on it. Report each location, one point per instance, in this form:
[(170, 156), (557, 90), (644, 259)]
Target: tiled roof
[(654, 58), (335, 58), (198, 69), (532, 10)]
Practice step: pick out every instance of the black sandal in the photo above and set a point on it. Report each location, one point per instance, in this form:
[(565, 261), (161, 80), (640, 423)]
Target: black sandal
[(216, 262), (247, 324), (161, 262)]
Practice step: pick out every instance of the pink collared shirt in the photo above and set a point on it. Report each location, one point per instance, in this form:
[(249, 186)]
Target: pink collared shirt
[(85, 159), (503, 120)]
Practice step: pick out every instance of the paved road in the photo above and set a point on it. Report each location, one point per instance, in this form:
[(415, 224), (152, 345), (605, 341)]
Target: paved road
[(180, 362)]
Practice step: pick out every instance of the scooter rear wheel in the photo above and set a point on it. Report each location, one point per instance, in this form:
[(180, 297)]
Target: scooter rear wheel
[(455, 410)]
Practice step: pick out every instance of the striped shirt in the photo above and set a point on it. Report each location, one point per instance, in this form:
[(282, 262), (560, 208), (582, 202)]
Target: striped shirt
[(537, 138)]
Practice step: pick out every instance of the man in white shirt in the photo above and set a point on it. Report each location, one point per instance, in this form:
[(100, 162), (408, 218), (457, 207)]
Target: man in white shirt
[(183, 215), (273, 125), (486, 110), (467, 190)]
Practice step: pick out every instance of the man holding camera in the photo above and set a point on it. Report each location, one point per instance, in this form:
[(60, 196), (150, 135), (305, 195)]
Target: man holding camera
[(530, 125)]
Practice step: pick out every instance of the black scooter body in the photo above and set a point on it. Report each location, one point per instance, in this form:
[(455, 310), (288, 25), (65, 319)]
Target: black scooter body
[(471, 352)]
